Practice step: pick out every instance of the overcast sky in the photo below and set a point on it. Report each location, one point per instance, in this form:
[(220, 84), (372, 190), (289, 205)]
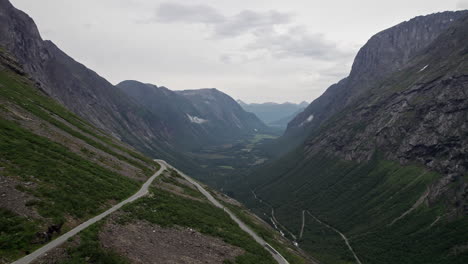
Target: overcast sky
[(254, 50)]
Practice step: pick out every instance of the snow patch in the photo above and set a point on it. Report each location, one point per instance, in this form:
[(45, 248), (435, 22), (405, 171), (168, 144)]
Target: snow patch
[(196, 119), (308, 120), (423, 68)]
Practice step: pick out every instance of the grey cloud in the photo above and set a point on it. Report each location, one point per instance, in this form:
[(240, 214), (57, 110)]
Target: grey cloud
[(177, 13), (297, 42), (223, 26), (247, 21)]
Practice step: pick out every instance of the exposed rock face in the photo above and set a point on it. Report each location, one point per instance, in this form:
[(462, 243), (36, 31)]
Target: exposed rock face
[(417, 114), (195, 118), (386, 52)]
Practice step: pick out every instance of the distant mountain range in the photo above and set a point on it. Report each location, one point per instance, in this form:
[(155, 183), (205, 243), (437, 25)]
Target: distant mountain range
[(274, 114)]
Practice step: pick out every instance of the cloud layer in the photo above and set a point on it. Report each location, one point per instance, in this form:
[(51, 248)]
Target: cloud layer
[(262, 28), (222, 26)]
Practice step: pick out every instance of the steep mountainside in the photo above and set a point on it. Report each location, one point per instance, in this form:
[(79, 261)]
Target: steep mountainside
[(274, 114), (389, 170), (384, 53), (56, 170), (195, 118), (78, 88)]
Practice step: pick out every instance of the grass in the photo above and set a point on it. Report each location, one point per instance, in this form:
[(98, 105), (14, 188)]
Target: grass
[(66, 183), (361, 200), (20, 91), (259, 137), (89, 249), (169, 210), (186, 189), (226, 167), (16, 234)]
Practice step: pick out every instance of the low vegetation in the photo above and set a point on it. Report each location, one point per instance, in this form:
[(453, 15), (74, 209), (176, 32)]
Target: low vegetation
[(89, 249), (16, 234), (65, 187), (172, 179), (362, 200), (168, 210), (20, 91), (65, 183)]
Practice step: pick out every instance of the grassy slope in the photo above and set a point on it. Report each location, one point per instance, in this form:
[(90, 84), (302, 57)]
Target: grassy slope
[(362, 200), (172, 210), (168, 209), (20, 91), (64, 184)]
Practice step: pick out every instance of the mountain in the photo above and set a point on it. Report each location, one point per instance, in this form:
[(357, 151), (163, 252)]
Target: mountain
[(383, 157), (274, 114), (195, 118), (386, 52)]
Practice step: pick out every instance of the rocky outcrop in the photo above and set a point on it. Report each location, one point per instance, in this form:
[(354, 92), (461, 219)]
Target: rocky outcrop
[(385, 53), (417, 114)]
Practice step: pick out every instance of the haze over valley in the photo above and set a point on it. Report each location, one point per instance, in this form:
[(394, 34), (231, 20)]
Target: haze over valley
[(212, 132)]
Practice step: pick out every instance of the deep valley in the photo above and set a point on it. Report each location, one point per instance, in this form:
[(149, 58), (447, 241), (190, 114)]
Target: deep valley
[(372, 171)]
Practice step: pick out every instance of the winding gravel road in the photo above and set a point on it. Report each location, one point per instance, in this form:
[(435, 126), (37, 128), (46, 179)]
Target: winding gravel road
[(61, 239), (276, 255)]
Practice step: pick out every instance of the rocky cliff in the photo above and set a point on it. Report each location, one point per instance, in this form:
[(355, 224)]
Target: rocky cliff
[(385, 53)]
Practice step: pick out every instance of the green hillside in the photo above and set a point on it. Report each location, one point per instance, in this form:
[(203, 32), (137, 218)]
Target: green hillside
[(61, 169)]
